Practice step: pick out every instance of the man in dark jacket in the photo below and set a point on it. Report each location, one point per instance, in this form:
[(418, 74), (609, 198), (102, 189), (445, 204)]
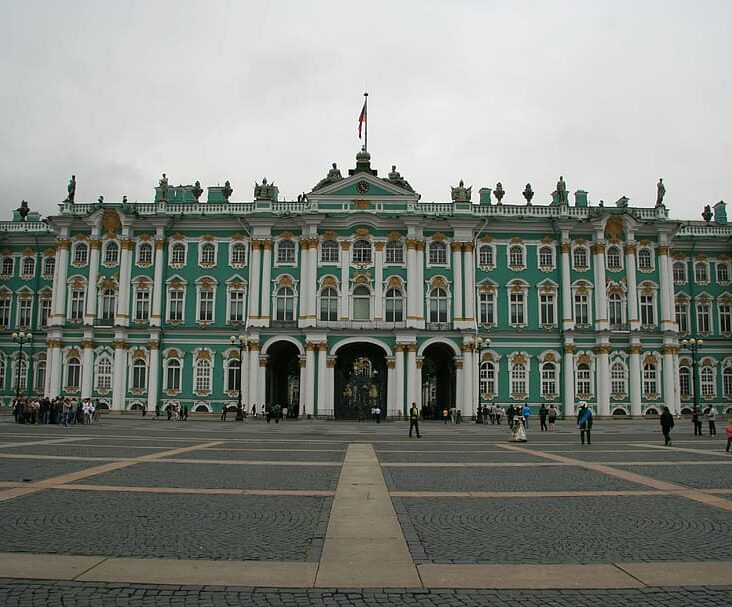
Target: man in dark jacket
[(584, 421), (667, 422)]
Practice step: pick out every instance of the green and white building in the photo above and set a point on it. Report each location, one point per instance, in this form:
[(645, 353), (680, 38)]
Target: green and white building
[(359, 294)]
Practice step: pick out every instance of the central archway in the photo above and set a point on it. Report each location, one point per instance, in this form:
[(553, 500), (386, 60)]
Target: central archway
[(438, 380), (283, 376), (360, 381)]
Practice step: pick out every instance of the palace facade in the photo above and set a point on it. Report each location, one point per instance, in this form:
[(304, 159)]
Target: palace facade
[(359, 294)]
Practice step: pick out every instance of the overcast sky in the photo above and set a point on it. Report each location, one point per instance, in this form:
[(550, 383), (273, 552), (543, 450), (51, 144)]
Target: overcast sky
[(611, 95)]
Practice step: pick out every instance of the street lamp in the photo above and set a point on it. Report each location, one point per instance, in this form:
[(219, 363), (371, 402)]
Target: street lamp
[(21, 338), (481, 343), (693, 345), (243, 345)]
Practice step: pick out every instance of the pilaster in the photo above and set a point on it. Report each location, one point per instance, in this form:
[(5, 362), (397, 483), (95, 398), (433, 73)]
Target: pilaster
[(158, 286), (265, 312), (457, 284), (635, 377), (630, 275), (90, 311), (569, 391), (153, 380)]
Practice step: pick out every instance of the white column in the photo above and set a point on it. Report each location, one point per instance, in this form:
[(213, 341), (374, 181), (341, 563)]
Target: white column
[(87, 367), (666, 291), (469, 265), (119, 386), (329, 386), (304, 405), (255, 285), (399, 401), (569, 408), (54, 367), (310, 369), (420, 304), (304, 299), (411, 373), (467, 406), (379, 281), (457, 284), (90, 312), (603, 379), (312, 281), (601, 319), (567, 318), (677, 382), (635, 378), (345, 282), (669, 394), (125, 271), (158, 286), (412, 278), (460, 388), (392, 406), (254, 375), (320, 403), (418, 383), (265, 311), (153, 381), (260, 386), (630, 271), (59, 282)]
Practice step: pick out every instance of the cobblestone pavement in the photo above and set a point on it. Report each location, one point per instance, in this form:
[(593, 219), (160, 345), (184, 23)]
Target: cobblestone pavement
[(702, 477), (27, 470), (22, 593)]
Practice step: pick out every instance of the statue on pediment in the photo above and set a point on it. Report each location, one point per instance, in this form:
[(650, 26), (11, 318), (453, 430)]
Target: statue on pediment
[(334, 174), (660, 193), (71, 189), (197, 190), (562, 191), (23, 210), (461, 193), (164, 188), (227, 191), (265, 191), (528, 193), (396, 178), (707, 214)]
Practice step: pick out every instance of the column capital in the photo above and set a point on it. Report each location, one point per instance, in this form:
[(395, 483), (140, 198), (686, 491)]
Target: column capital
[(468, 247), (566, 247), (87, 343), (629, 248), (456, 247), (95, 244), (635, 348), (345, 245), (63, 244), (664, 250), (569, 348), (159, 244), (379, 245), (120, 344), (598, 248), (602, 349), (54, 343)]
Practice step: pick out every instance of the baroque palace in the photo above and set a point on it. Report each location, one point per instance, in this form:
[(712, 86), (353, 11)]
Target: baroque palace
[(360, 295)]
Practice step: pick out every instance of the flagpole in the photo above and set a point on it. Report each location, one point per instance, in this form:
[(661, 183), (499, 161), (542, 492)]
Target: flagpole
[(366, 126)]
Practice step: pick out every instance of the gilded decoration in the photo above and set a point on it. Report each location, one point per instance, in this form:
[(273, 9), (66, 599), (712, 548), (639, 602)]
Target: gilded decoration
[(362, 204), (206, 283), (548, 357), (237, 285), (329, 281), (630, 249), (458, 364), (111, 222), (207, 238), (345, 245), (237, 237), (517, 240), (77, 284), (391, 364), (394, 283), (173, 353), (602, 349), (176, 284), (438, 236), (379, 245), (580, 242), (62, 244), (331, 363), (177, 236), (700, 257), (80, 237), (547, 240), (303, 363), (487, 357), (468, 247), (518, 359), (635, 348), (400, 348), (646, 243), (438, 283), (566, 247), (310, 346), (664, 250), (361, 279), (362, 232), (28, 251), (411, 244), (87, 343), (267, 245), (139, 354), (487, 289), (456, 247), (419, 364), (286, 234), (584, 359), (487, 239), (548, 288), (598, 248), (54, 343), (95, 244), (420, 245), (517, 287), (127, 244), (203, 355), (153, 345), (73, 353), (322, 346), (394, 236), (614, 227), (330, 235), (49, 252), (668, 350), (649, 359), (411, 347)]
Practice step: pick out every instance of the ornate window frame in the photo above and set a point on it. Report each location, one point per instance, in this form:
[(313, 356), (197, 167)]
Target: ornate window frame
[(176, 245), (580, 248), (516, 255), (206, 284), (645, 251), (144, 243), (515, 289), (519, 373), (236, 285), (175, 284), (79, 254), (486, 264), (111, 244), (208, 252), (235, 251), (138, 361)]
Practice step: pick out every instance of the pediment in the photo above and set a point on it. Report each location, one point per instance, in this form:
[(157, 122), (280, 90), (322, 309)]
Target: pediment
[(362, 186)]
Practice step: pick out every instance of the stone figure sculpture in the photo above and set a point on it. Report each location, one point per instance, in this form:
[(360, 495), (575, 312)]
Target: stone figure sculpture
[(266, 191), (707, 214), (227, 191), (100, 200), (71, 189), (499, 192), (528, 193), (396, 178), (660, 193), (461, 193), (334, 174), (197, 190), (164, 188), (23, 210), (562, 191)]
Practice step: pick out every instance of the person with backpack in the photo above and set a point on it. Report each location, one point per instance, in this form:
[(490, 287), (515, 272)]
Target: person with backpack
[(667, 422), (584, 421), (414, 420)]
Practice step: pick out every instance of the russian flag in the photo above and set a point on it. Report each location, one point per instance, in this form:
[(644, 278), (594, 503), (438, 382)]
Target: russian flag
[(361, 119)]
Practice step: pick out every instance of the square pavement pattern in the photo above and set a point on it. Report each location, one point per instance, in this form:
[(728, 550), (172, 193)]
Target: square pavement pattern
[(309, 513)]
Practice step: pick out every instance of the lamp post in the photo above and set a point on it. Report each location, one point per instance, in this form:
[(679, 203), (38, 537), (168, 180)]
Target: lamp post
[(481, 343), (693, 345), (21, 338), (243, 342)]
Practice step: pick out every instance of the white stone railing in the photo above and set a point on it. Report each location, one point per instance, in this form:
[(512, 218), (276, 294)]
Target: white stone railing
[(705, 229), (24, 226)]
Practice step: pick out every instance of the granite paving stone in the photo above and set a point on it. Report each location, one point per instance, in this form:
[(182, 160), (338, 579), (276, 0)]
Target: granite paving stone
[(217, 527), (564, 530), (81, 450), (701, 477), (285, 455), (226, 476), (31, 470), (460, 456), (647, 455)]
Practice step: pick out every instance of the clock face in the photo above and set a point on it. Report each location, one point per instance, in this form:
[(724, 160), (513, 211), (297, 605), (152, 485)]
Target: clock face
[(362, 186)]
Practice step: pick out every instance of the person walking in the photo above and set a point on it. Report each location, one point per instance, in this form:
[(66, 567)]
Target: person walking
[(711, 414), (444, 414), (584, 421), (552, 417), (157, 410), (414, 420), (543, 413), (223, 413), (696, 422), (498, 411), (526, 412), (667, 422), (510, 414), (729, 434)]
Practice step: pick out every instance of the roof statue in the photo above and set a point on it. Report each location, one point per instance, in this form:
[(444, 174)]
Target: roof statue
[(71, 189), (100, 200), (660, 193), (197, 190), (461, 193), (528, 193), (562, 191), (334, 174), (23, 210), (266, 191), (227, 191), (164, 188), (707, 214), (396, 178), (124, 199), (499, 192), (622, 202)]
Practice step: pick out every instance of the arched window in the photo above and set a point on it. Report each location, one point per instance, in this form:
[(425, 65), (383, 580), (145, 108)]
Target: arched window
[(361, 303), (485, 255), (618, 379), (615, 309), (285, 304), (238, 254), (438, 305), (394, 305), (679, 268), (685, 382), (178, 254), (650, 380), (203, 376), (584, 379), (362, 251), (7, 266), (103, 375), (487, 379), (81, 252), (40, 377), (549, 379), (546, 257), (518, 379), (727, 382), (172, 375), (208, 254), (144, 254), (707, 387), (73, 373), (438, 253), (111, 253), (579, 258), (645, 259), (614, 258), (286, 251), (233, 375), (722, 273), (516, 256), (139, 374), (28, 268), (49, 266), (701, 272), (328, 304), (329, 251), (394, 251)]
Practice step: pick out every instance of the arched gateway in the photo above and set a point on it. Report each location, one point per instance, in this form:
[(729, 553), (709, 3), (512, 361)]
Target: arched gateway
[(283, 377), (360, 381), (438, 380)]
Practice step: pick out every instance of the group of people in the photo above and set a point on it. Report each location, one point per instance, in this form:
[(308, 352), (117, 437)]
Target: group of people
[(60, 411)]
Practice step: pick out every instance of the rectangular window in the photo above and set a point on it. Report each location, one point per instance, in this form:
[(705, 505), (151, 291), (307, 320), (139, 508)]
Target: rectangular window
[(77, 305), (546, 308), (581, 309), (4, 313), (175, 306), (517, 309), (703, 323), (487, 308), (648, 317), (205, 313), (24, 312), (45, 312), (142, 305), (236, 306), (583, 380), (725, 318), (682, 317)]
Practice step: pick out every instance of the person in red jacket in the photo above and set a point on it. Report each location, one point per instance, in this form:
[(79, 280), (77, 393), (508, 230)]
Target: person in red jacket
[(729, 434)]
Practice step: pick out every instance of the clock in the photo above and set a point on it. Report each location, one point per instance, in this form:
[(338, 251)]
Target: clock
[(362, 186)]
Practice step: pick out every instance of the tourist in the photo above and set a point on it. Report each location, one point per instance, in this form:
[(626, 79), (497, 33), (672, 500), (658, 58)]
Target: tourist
[(711, 415), (667, 422), (696, 422), (510, 414), (254, 409), (552, 417), (526, 412), (414, 420), (729, 434), (223, 413), (445, 413), (584, 421), (499, 412), (157, 410), (543, 414)]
